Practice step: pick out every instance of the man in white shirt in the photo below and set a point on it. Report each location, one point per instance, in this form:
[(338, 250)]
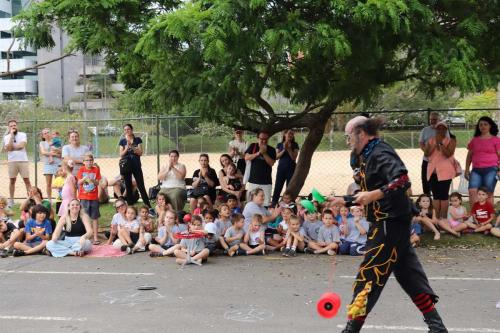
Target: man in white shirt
[(14, 143)]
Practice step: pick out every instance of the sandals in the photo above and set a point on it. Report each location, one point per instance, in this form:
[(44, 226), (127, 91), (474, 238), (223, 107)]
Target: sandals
[(96, 242), (155, 254)]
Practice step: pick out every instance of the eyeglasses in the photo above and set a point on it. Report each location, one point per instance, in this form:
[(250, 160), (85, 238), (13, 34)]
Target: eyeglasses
[(119, 206)]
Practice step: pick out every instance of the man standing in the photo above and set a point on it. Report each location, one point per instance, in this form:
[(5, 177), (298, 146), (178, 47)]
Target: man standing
[(14, 143), (427, 133), (384, 182), (263, 158)]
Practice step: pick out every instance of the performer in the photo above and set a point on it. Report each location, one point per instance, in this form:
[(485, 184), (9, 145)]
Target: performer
[(384, 181)]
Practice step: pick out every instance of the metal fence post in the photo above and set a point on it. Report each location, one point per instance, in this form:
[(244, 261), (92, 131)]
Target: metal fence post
[(35, 150), (157, 144)]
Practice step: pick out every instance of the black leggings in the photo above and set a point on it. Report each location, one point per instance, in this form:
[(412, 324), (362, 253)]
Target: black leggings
[(139, 179), (388, 250)]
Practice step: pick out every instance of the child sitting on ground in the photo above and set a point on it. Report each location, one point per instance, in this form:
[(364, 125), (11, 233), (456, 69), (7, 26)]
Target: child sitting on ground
[(9, 233), (253, 242), (328, 236), (195, 245), (427, 215), (223, 222), (168, 226), (311, 227), (232, 202), (295, 237), (276, 231), (287, 202), (37, 233), (355, 240), (201, 206), (342, 222), (146, 229), (482, 212), (234, 235), (128, 231), (457, 220)]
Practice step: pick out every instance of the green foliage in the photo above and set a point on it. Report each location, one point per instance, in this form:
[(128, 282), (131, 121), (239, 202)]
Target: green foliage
[(485, 100)]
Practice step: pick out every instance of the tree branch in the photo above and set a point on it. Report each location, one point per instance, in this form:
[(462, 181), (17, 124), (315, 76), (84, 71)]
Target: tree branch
[(8, 73)]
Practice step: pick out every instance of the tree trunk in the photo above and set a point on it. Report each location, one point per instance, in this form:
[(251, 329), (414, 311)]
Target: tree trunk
[(312, 142)]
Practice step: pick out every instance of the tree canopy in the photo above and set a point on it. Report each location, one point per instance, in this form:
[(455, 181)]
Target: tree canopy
[(225, 59)]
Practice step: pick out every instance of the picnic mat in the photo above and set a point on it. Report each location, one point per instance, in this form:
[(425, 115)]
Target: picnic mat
[(105, 251)]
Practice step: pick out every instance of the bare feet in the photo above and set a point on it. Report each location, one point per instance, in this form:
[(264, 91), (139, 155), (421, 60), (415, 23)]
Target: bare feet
[(437, 236), (180, 261)]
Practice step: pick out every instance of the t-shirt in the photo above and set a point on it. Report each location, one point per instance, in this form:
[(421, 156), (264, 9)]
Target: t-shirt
[(176, 228), (16, 155), (286, 161), (354, 234), (75, 152), (131, 225), (211, 239), (222, 226), (254, 238), (130, 153), (241, 146), (312, 229), (484, 151), (251, 208), (260, 171), (88, 191), (232, 232), (10, 227), (117, 219), (31, 226), (56, 142), (212, 175), (483, 212), (329, 234), (194, 244)]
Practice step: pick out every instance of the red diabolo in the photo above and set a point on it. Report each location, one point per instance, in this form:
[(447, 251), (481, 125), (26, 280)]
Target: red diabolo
[(328, 305)]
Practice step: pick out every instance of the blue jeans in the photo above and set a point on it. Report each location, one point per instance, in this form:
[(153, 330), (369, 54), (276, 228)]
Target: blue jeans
[(486, 177)]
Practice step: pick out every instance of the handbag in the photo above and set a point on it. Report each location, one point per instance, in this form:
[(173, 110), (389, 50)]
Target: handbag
[(200, 191), (125, 166), (153, 191), (463, 186), (457, 167)]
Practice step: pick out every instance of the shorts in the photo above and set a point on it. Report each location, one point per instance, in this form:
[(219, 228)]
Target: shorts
[(33, 244), (91, 208), (50, 169), (440, 189), (166, 246), (453, 223), (486, 177), (134, 236), (21, 168), (211, 247)]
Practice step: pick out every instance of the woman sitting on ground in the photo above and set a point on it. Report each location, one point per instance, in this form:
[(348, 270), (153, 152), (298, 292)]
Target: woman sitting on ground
[(72, 233)]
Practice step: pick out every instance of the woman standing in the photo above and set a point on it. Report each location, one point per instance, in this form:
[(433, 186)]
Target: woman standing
[(74, 151), (77, 230), (131, 151), (484, 152), (51, 158), (237, 148), (441, 167), (204, 183), (173, 181), (286, 152)]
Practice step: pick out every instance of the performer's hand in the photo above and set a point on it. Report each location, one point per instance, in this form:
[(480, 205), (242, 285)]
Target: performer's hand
[(365, 198), (336, 200)]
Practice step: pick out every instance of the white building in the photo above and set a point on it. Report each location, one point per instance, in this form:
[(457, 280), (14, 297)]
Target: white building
[(24, 84)]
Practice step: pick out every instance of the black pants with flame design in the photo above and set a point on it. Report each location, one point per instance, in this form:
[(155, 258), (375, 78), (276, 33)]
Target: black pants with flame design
[(389, 250)]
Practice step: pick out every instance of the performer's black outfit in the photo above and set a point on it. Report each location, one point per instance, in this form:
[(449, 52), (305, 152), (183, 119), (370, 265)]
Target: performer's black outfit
[(388, 246)]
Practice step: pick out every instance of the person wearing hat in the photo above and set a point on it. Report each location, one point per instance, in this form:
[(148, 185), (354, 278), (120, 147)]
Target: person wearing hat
[(384, 182), (440, 168)]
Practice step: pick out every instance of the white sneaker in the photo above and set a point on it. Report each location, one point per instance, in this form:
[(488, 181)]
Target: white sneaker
[(10, 203), (331, 252)]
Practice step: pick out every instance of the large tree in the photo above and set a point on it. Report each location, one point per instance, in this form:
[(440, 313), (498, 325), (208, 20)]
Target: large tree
[(225, 59)]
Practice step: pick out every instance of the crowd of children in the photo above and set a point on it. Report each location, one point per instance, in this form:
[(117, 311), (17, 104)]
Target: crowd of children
[(289, 227)]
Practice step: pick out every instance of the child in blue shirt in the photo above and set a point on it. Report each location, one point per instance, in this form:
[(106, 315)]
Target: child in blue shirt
[(38, 230), (356, 230)]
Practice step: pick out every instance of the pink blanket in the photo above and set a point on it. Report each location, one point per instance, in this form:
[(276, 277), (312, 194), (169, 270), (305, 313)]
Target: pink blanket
[(102, 251)]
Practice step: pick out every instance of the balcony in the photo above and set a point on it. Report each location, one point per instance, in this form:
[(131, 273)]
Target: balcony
[(16, 64), (95, 70), (19, 86), (92, 87), (5, 44)]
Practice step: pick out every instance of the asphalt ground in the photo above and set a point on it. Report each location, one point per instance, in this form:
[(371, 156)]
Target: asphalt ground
[(241, 294)]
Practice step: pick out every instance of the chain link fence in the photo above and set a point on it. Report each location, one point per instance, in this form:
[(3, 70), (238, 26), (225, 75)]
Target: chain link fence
[(330, 171)]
